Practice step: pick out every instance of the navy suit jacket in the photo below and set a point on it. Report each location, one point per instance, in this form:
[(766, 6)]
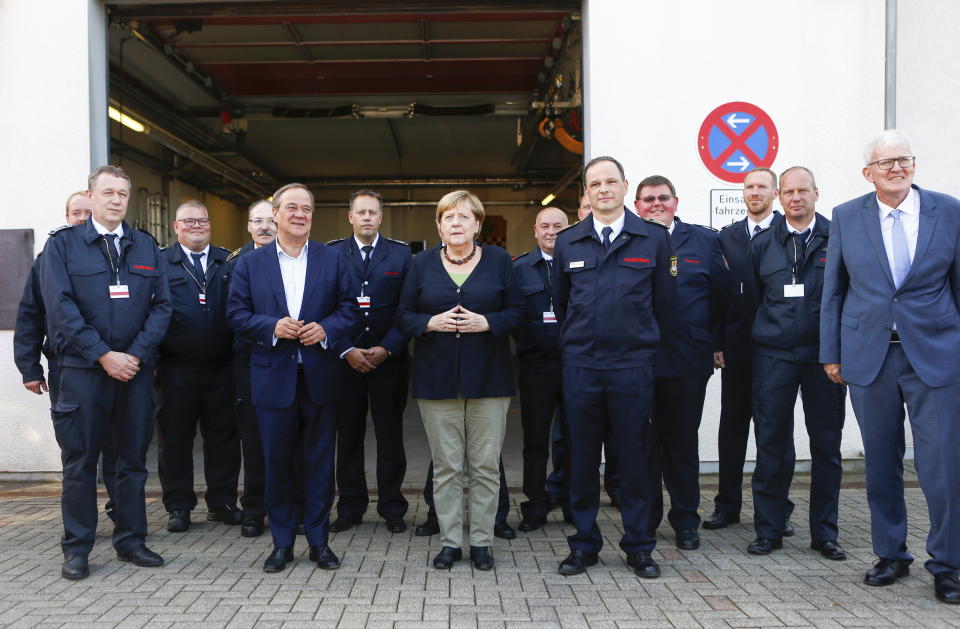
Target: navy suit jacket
[(448, 365), (382, 281), (257, 301), (735, 331), (860, 303), (686, 349)]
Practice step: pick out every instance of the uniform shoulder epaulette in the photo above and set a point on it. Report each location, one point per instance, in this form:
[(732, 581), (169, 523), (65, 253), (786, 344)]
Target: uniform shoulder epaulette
[(222, 248), (568, 227), (709, 228), (335, 241), (56, 230), (521, 255), (399, 242), (656, 221), (234, 253), (728, 225), (149, 235)]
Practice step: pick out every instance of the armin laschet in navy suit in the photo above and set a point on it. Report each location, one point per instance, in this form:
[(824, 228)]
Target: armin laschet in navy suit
[(684, 361), (294, 300), (890, 327), (375, 370)]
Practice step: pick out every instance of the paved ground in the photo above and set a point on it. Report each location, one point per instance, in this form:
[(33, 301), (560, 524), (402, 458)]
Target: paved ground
[(213, 578)]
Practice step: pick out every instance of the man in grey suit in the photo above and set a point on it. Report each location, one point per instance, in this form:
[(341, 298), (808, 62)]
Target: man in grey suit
[(890, 327)]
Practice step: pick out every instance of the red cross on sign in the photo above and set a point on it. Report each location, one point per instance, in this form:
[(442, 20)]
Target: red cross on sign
[(735, 138)]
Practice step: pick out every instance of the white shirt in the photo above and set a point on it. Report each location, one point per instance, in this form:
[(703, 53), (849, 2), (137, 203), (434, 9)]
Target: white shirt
[(293, 271), (616, 225), (751, 224), (909, 217), (670, 228), (203, 256), (793, 230), (104, 231), (360, 245), (546, 256)]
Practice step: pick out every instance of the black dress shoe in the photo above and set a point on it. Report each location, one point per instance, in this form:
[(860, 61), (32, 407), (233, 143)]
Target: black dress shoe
[(228, 514), (429, 527), (788, 530), (720, 520), (481, 557), (764, 545), (688, 539), (530, 524), (75, 567), (830, 550), (886, 572), (324, 557), (396, 525), (179, 521), (577, 562), (445, 558), (643, 565), (504, 531), (946, 585), (300, 530), (141, 556), (567, 515), (343, 523), (278, 559), (252, 526)]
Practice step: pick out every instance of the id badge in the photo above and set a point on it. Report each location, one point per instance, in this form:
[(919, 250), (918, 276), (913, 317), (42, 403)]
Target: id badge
[(119, 291), (793, 290), (363, 301), (202, 297), (549, 317)]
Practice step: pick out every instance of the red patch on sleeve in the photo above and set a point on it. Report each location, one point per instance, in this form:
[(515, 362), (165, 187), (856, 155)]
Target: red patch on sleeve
[(145, 268), (391, 272), (691, 261), (636, 260)]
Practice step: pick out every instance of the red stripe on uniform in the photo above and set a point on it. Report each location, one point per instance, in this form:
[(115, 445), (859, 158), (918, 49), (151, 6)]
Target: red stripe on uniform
[(636, 260), (692, 261), (145, 268), (391, 272)]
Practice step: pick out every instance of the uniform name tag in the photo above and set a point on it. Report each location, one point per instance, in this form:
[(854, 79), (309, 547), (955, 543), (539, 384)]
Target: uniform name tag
[(549, 317), (576, 265), (363, 301), (793, 290), (202, 297), (119, 291)]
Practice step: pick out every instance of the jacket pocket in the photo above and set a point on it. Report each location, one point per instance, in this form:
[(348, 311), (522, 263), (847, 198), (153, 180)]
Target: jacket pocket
[(848, 321), (948, 320), (66, 427)]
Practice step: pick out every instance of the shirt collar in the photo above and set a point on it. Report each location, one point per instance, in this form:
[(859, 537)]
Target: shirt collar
[(360, 245), (283, 254), (792, 230), (187, 252), (910, 205), (765, 223), (617, 226), (546, 256), (673, 224), (103, 230)]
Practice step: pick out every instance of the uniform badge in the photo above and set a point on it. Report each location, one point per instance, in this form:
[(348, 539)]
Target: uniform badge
[(673, 266)]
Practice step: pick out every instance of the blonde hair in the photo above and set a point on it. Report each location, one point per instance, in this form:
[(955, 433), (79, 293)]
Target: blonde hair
[(455, 198)]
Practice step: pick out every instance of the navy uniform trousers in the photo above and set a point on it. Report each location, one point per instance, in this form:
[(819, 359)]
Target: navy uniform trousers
[(541, 405), (92, 412), (384, 393), (775, 387), (879, 408), (614, 402), (250, 443)]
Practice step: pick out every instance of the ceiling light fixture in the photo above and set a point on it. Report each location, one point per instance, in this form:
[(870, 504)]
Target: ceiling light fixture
[(125, 120), (547, 200)]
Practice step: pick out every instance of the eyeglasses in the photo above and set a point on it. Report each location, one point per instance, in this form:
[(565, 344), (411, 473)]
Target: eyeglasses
[(190, 222), (292, 208), (905, 161), (663, 198), (261, 221)]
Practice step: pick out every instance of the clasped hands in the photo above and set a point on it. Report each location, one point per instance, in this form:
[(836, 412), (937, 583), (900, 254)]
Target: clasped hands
[(120, 365), (307, 333), (458, 319)]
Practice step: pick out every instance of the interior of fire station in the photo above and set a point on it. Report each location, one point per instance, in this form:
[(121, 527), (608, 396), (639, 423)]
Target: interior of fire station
[(225, 102)]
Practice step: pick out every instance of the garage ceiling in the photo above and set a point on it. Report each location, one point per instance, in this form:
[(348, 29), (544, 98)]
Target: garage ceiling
[(395, 94)]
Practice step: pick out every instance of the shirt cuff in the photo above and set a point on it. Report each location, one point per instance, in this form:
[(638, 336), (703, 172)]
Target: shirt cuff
[(347, 352)]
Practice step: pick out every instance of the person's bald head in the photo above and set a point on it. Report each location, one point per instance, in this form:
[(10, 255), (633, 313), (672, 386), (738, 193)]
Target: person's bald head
[(584, 208), (550, 220)]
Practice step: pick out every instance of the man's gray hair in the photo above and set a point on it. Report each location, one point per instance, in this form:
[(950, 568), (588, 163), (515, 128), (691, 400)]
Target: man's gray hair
[(890, 137)]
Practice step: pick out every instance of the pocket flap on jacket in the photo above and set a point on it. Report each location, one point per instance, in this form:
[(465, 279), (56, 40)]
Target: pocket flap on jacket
[(86, 268), (849, 321), (947, 320), (64, 407)]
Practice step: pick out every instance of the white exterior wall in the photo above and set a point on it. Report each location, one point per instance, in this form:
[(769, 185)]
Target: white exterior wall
[(654, 70)]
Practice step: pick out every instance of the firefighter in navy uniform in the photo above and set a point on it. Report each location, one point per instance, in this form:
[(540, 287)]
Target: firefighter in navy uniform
[(538, 350), (108, 307), (376, 370), (614, 289), (195, 377), (685, 359)]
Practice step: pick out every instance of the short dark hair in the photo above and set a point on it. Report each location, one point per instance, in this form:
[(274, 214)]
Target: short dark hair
[(773, 175), (597, 160), (813, 179), (656, 180), (366, 192), (107, 169)]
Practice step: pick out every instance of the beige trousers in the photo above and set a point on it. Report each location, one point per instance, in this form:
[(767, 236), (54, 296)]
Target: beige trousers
[(465, 437)]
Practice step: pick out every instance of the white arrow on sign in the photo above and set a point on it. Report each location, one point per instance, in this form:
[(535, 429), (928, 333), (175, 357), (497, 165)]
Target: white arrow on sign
[(743, 162), (733, 121)]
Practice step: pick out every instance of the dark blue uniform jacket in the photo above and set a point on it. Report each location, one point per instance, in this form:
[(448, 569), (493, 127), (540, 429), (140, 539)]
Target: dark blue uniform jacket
[(787, 328), (448, 365), (611, 305), (84, 321), (30, 331), (686, 350), (536, 340), (198, 333)]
